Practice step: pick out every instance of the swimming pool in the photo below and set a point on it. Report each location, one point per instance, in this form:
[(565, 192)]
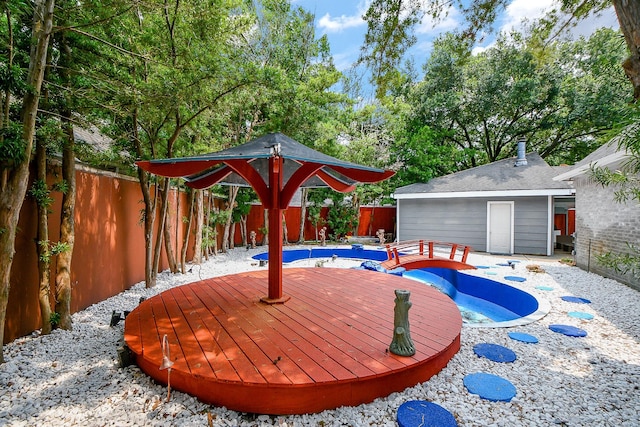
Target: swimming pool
[(357, 252), (482, 302)]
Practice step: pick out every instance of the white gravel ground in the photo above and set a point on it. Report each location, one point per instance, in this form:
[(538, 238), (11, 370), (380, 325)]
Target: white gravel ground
[(73, 378)]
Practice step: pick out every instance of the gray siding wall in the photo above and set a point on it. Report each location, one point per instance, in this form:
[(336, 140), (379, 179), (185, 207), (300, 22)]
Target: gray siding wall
[(464, 221), (603, 225), (531, 225)]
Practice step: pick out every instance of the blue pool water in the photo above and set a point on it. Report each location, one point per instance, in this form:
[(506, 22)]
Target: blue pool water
[(292, 255), (480, 300)]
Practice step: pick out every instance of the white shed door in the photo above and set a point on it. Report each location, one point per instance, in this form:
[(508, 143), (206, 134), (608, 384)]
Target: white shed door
[(500, 227)]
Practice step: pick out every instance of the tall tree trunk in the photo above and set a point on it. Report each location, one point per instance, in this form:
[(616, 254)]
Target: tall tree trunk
[(265, 227), (149, 222), (206, 229), (67, 226), (233, 192), (187, 233), (6, 101), (199, 215), (168, 248), (232, 235), (164, 207), (243, 230), (303, 212), (628, 12), (67, 213), (285, 231), (42, 242), (13, 184)]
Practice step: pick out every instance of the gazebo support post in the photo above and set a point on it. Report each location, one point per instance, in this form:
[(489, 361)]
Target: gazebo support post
[(275, 234)]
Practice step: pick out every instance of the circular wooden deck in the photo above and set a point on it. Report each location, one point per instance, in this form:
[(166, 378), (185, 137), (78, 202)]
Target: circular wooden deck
[(326, 347)]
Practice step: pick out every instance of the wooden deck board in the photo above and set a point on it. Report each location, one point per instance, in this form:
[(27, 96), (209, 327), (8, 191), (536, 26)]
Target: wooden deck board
[(325, 347)]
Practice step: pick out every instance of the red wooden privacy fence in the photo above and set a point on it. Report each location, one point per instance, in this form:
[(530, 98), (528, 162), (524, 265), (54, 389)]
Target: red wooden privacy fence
[(108, 255)]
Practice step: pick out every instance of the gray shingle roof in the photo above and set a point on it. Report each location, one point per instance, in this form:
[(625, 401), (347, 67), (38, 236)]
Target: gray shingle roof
[(501, 175), (609, 154)]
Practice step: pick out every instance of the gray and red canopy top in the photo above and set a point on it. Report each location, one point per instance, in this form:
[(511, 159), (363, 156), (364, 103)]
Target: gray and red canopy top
[(275, 166)]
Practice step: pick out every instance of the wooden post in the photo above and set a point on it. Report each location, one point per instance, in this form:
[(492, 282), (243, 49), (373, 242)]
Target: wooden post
[(454, 248), (275, 233)]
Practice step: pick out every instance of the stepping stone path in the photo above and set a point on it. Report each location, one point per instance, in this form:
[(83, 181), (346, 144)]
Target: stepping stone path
[(416, 413), (577, 300), (521, 336), (568, 330), (580, 315), (490, 387), (495, 388), (495, 352)]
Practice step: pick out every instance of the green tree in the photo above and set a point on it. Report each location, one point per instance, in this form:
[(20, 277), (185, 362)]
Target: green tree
[(14, 169), (342, 216), (390, 25), (559, 99), (181, 60)]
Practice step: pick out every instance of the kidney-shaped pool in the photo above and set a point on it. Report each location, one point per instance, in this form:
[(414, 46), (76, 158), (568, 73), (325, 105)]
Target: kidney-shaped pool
[(482, 302)]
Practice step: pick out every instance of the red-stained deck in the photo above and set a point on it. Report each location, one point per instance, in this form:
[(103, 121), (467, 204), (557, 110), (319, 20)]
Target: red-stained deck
[(326, 347)]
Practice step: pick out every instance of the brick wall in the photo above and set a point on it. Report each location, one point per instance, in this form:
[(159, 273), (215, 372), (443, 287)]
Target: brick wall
[(604, 225)]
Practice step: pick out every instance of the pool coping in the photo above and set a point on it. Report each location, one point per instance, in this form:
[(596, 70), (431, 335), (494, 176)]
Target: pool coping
[(544, 307)]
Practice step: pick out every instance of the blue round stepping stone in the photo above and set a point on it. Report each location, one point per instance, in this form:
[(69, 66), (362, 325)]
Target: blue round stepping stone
[(515, 278), (577, 300), (494, 352), (568, 330), (482, 266), (580, 315), (416, 413), (490, 387), (490, 273), (521, 336), (544, 288)]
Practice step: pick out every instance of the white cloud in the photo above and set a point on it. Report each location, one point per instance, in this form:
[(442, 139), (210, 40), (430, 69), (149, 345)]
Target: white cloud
[(336, 24), (520, 10), (449, 22)]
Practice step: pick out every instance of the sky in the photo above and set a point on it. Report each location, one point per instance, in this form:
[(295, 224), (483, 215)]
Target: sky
[(341, 21)]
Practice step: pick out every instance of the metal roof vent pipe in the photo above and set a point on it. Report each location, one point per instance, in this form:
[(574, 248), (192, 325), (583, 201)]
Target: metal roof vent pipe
[(522, 149)]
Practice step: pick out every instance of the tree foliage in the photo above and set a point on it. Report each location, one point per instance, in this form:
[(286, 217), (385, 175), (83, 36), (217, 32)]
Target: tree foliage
[(472, 109), (390, 26)]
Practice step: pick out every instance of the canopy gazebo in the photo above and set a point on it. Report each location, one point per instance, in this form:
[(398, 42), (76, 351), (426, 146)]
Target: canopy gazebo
[(275, 166)]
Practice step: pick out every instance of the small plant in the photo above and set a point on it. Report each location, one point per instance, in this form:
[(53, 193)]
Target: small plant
[(622, 263), (49, 250), (61, 186), (54, 319), (40, 192)]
